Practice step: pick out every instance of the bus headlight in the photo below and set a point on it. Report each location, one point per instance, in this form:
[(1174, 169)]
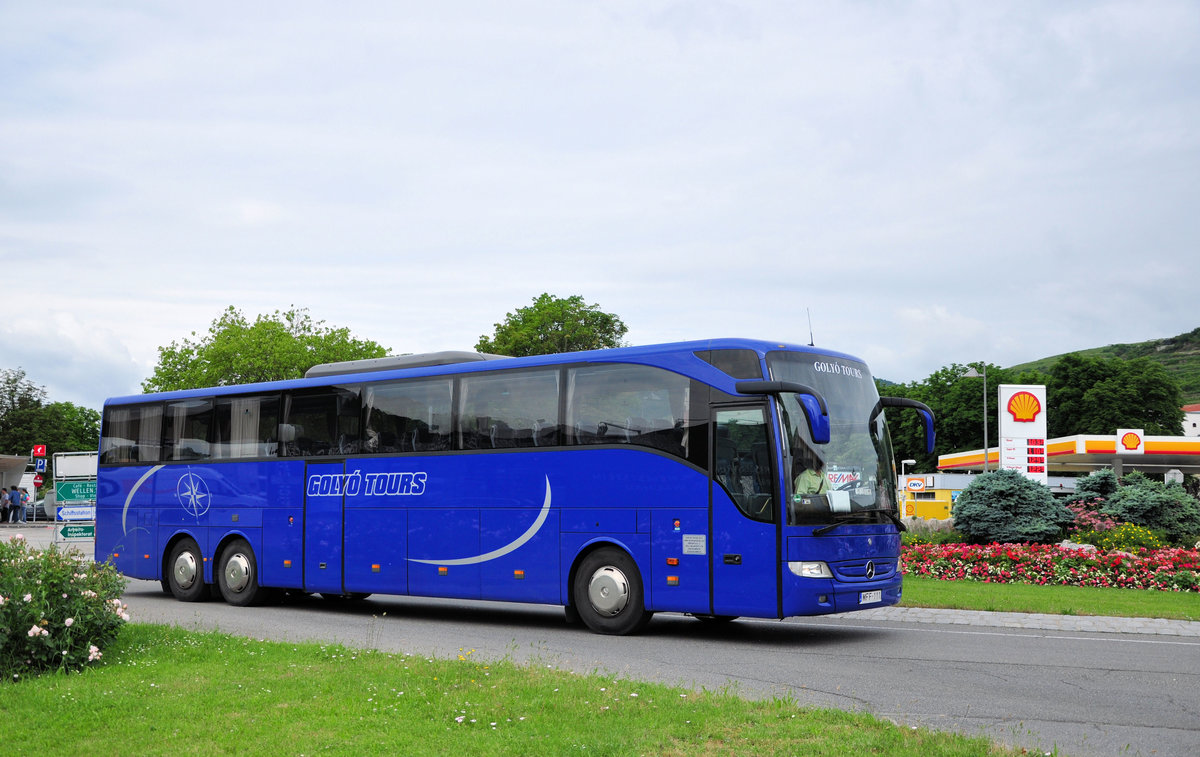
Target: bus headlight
[(810, 569)]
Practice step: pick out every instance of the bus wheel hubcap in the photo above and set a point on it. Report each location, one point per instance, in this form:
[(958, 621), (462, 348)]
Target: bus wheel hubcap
[(185, 570), (608, 590), (237, 572)]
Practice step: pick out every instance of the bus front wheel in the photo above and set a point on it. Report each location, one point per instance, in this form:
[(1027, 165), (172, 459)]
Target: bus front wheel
[(185, 572), (237, 575), (608, 594)]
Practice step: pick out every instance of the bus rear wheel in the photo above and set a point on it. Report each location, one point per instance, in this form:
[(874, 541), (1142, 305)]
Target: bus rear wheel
[(237, 575), (185, 572), (608, 595)]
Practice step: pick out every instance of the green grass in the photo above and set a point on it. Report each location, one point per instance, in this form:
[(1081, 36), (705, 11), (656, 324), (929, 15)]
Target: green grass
[(162, 690), (1054, 600)]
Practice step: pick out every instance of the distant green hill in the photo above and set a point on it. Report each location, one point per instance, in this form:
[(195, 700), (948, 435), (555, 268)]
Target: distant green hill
[(1178, 354)]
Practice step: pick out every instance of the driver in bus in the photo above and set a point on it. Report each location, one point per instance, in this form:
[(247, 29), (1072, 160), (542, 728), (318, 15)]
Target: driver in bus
[(811, 478)]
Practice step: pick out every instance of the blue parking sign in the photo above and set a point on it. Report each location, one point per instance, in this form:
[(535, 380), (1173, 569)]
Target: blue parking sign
[(39, 465)]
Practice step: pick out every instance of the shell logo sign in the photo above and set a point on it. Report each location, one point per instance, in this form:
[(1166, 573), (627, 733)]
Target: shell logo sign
[(1023, 429), (1024, 407), (1131, 441)]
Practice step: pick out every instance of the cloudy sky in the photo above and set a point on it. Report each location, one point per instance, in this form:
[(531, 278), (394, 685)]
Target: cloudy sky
[(934, 182)]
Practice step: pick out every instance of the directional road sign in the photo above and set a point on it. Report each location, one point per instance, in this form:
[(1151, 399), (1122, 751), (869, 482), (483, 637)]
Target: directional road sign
[(77, 531), (71, 492), (76, 512)]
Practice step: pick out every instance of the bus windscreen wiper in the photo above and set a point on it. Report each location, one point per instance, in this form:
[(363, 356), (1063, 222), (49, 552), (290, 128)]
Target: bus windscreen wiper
[(890, 515)]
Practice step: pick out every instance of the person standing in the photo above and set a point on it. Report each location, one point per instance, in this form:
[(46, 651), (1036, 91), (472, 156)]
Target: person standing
[(24, 511), (4, 504)]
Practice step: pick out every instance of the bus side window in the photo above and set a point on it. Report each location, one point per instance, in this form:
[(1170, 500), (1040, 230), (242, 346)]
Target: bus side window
[(186, 428), (407, 416), (132, 434), (509, 409), (324, 423), (246, 426), (742, 463), (638, 405)]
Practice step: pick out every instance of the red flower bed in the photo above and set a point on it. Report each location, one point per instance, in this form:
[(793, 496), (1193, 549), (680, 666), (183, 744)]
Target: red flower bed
[(1161, 569)]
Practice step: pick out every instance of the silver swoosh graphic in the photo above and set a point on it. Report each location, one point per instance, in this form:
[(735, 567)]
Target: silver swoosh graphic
[(133, 491), (507, 548)]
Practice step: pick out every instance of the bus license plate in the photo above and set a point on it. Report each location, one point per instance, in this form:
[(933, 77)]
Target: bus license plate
[(868, 597)]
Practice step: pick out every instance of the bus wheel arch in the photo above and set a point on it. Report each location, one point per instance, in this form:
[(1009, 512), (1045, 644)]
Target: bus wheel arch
[(607, 591), (183, 570)]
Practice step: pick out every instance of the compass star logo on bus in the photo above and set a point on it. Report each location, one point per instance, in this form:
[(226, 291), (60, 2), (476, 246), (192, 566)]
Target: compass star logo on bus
[(192, 492)]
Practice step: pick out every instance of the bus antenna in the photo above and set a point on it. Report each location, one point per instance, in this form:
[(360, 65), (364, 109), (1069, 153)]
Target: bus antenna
[(810, 333)]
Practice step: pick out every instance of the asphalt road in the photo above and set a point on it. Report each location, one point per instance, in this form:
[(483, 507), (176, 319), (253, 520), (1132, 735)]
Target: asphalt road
[(1084, 693)]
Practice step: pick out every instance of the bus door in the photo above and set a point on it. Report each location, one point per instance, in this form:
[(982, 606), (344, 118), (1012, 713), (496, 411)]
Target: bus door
[(324, 504), (745, 540)]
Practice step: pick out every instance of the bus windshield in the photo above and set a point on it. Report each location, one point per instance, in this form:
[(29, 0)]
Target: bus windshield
[(850, 479)]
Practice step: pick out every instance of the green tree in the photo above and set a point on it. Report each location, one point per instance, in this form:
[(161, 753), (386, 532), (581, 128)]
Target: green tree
[(551, 325), (1007, 507), (1090, 395), (20, 405), (235, 351), (26, 419), (66, 427)]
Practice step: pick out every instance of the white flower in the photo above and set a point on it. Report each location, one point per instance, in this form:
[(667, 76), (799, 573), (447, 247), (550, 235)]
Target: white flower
[(69, 622), (28, 597)]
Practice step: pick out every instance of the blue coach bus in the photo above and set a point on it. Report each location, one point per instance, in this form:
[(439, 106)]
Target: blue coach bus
[(721, 478)]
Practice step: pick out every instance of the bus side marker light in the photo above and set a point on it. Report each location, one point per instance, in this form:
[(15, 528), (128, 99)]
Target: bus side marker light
[(287, 563), (443, 571), (519, 575), (146, 556), (376, 567), (672, 580), (672, 561)]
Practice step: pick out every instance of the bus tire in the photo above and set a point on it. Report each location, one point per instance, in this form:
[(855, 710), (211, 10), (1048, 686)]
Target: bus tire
[(607, 593), (185, 572), (237, 575)]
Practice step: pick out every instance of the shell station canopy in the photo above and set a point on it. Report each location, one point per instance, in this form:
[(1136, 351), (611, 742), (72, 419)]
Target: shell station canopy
[(1125, 451)]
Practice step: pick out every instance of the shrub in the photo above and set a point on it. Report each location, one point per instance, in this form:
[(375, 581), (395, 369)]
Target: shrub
[(1099, 485), (58, 610), (1005, 506), (1155, 505)]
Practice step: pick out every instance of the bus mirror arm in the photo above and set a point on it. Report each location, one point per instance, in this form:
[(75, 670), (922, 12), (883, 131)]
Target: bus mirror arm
[(920, 407), (816, 411)]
